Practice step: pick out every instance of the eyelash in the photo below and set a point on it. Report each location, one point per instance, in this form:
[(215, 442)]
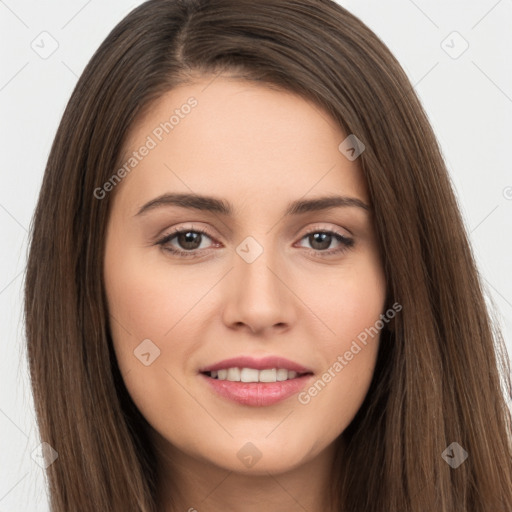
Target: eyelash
[(346, 243)]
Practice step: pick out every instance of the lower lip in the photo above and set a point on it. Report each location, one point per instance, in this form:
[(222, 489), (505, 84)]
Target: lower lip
[(257, 394)]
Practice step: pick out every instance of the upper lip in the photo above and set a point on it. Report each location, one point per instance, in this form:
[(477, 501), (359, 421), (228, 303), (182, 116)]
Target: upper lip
[(258, 364)]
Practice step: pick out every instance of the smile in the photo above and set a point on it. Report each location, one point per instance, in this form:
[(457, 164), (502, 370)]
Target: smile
[(256, 388)]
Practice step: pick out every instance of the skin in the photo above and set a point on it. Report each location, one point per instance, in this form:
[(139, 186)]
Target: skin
[(259, 149)]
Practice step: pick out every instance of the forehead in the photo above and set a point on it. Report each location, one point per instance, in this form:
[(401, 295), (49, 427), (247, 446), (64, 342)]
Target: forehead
[(238, 140)]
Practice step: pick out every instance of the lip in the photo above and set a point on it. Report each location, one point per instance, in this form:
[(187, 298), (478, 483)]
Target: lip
[(258, 364), (257, 394)]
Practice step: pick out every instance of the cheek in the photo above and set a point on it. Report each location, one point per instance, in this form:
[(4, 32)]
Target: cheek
[(351, 307), (146, 303), (350, 302), (147, 298)]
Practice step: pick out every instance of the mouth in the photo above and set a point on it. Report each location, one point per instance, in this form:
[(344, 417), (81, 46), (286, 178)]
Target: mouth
[(255, 387)]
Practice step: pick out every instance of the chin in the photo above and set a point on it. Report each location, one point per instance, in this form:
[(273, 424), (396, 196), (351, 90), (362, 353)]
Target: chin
[(258, 456)]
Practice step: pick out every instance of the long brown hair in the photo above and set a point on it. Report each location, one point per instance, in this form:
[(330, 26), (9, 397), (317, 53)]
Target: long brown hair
[(442, 374)]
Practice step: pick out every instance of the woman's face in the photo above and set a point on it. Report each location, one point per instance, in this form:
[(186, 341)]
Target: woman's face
[(261, 271)]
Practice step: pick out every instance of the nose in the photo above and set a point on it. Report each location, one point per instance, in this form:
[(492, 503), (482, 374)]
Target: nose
[(258, 297)]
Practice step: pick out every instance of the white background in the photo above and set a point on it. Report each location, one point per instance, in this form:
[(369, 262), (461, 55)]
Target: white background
[(468, 100)]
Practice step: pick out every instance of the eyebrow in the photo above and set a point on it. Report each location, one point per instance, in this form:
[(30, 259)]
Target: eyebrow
[(212, 204)]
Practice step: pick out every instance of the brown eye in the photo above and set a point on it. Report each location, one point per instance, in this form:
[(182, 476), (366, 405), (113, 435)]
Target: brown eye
[(184, 242), (189, 240), (321, 241)]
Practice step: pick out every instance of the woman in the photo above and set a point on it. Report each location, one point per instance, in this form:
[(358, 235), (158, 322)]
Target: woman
[(249, 285)]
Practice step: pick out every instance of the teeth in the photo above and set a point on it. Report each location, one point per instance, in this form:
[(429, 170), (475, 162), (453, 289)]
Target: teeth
[(249, 375), (282, 374), (253, 375), (268, 375), (233, 374)]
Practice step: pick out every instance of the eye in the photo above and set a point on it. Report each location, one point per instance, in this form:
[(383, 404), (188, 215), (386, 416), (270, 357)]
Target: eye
[(321, 240), (190, 240)]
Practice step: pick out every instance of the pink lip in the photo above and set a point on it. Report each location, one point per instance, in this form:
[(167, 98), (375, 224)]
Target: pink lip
[(258, 364), (257, 394)]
